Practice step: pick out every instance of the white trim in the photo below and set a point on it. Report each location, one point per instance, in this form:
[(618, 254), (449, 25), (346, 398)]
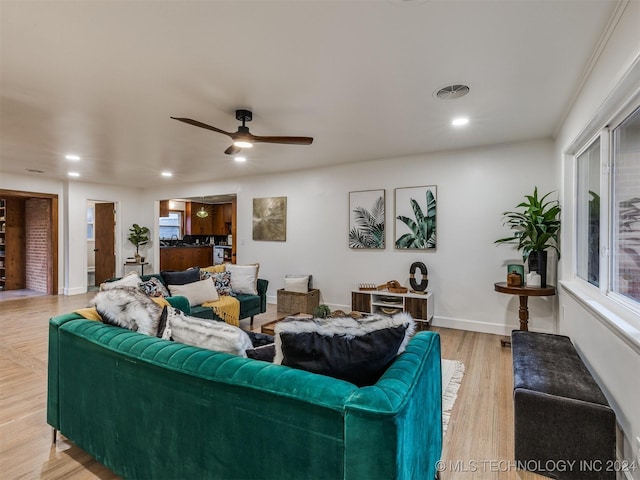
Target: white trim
[(610, 314), (481, 327)]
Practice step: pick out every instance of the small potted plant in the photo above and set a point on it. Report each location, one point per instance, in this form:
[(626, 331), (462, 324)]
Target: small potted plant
[(535, 229), (138, 236)]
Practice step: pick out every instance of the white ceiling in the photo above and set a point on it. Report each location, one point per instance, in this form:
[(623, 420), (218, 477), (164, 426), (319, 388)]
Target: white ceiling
[(101, 79)]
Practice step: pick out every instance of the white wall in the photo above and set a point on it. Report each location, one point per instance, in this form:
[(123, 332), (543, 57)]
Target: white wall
[(474, 188), (612, 356)]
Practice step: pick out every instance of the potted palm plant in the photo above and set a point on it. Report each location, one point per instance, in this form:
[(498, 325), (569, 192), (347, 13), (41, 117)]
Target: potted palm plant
[(535, 229), (138, 236)]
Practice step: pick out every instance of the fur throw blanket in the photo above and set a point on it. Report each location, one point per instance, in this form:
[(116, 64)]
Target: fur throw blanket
[(129, 308), (209, 334)]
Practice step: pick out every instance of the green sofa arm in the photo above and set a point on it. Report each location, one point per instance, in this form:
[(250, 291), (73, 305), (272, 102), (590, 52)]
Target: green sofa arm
[(262, 287), (403, 408)]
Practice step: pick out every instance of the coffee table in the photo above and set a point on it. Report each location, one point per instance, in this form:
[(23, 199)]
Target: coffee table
[(269, 328)]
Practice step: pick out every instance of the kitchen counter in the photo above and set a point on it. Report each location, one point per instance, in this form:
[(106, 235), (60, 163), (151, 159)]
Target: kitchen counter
[(182, 257)]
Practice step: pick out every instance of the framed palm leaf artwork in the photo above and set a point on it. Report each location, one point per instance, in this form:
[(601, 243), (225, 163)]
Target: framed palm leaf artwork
[(415, 218), (366, 219)]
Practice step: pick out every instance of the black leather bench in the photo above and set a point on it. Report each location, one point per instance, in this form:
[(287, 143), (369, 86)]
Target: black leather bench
[(564, 427)]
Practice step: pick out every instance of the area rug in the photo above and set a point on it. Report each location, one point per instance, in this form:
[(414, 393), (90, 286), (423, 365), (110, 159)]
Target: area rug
[(452, 373)]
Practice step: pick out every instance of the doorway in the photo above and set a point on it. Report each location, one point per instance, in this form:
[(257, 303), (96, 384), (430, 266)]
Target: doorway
[(30, 243), (101, 227)]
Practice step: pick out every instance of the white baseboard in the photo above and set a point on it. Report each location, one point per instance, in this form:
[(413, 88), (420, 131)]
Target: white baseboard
[(74, 291)]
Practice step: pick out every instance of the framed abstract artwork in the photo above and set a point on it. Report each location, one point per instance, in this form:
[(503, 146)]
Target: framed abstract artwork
[(367, 219), (270, 219), (415, 218)]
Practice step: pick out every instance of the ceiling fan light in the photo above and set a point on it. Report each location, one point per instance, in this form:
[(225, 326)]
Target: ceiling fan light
[(243, 144), (202, 213)]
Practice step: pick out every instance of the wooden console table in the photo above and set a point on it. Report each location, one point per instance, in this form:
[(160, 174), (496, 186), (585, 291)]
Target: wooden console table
[(524, 293)]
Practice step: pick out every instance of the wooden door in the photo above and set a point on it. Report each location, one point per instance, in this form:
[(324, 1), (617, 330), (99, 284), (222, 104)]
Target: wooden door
[(104, 234)]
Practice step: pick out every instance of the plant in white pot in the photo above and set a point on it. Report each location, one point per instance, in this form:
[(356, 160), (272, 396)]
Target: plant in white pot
[(139, 236), (536, 228)]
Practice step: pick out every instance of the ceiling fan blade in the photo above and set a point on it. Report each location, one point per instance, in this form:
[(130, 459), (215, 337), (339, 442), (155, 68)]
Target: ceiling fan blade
[(287, 140), (196, 123), (232, 150)]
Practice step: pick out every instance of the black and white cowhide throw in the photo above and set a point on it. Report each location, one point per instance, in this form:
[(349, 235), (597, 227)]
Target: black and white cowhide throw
[(209, 334), (358, 351), (128, 307)]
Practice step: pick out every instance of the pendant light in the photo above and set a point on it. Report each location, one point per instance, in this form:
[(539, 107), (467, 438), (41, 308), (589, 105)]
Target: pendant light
[(202, 213)]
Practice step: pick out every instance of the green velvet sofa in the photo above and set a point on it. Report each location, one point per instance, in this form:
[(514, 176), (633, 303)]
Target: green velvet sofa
[(153, 409), (250, 305)]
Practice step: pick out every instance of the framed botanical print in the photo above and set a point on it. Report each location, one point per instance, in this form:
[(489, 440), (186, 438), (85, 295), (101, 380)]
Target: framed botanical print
[(367, 219), (415, 218)]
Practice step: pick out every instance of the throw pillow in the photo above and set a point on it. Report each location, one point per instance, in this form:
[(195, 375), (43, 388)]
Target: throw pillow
[(128, 307), (358, 351), (197, 292), (222, 281), (213, 269), (154, 288), (244, 278), (296, 284), (131, 279), (212, 335), (181, 278)]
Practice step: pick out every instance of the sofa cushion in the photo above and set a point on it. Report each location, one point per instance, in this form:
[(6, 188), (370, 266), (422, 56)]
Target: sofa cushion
[(154, 288), (218, 336), (129, 308), (181, 277), (244, 278), (222, 281), (197, 292), (358, 351), (132, 279)]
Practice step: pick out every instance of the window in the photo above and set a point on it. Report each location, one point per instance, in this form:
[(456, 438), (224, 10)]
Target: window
[(90, 221), (588, 214), (626, 208), (608, 211), (171, 226)]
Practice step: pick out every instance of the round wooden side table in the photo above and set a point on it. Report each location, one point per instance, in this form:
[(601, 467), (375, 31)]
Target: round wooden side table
[(524, 293)]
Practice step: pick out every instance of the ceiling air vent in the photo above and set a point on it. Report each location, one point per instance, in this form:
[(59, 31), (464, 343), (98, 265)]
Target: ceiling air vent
[(452, 91)]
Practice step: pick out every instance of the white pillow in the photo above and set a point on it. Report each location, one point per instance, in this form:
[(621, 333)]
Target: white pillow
[(131, 279), (296, 284), (197, 292), (244, 278)]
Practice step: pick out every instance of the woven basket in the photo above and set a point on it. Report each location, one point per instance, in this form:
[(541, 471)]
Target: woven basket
[(295, 302)]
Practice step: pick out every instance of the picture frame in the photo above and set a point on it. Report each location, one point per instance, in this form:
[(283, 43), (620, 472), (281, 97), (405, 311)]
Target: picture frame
[(270, 219), (415, 218), (367, 219)]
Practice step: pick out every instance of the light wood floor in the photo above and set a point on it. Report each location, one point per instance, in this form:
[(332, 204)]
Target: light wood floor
[(478, 443)]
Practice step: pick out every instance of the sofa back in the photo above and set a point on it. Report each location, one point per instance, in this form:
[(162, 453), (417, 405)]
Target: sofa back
[(148, 408)]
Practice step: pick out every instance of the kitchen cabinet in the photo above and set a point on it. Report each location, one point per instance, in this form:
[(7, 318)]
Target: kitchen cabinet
[(181, 258), (198, 225)]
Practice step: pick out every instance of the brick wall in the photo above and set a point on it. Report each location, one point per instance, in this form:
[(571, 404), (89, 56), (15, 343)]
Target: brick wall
[(37, 215)]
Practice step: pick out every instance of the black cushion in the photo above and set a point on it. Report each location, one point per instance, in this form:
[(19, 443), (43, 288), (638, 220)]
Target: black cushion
[(358, 351), (182, 277)]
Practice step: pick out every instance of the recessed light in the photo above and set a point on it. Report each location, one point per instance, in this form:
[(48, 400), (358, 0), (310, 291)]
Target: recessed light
[(72, 157), (240, 158), (460, 121), (167, 174), (73, 174)]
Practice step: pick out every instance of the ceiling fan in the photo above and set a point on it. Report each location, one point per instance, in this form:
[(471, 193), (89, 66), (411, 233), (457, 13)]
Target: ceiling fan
[(243, 138)]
